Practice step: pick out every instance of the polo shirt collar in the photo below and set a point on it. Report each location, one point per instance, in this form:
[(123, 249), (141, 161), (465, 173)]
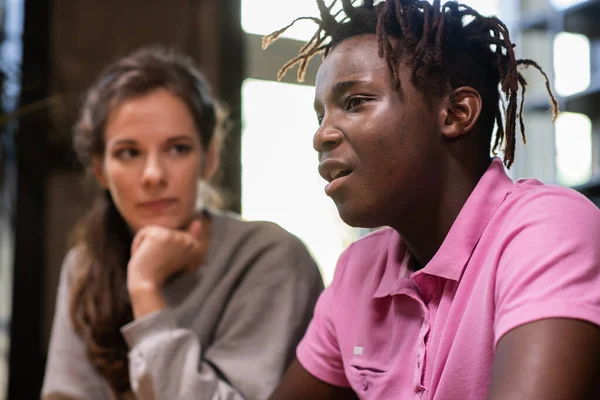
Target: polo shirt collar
[(456, 249)]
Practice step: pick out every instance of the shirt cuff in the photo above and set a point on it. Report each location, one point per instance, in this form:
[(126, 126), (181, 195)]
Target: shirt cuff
[(156, 322), (544, 310), (319, 368)]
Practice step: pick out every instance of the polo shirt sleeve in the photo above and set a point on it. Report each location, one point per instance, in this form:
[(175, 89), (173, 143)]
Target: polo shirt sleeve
[(319, 351), (549, 265)]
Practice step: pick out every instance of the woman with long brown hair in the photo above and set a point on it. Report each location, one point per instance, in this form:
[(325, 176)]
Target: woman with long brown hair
[(161, 298)]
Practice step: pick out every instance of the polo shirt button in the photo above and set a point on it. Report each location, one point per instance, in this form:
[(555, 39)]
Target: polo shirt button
[(429, 278), (365, 383)]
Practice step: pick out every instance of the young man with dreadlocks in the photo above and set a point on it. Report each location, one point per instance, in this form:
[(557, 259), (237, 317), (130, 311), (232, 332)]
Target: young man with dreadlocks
[(481, 287)]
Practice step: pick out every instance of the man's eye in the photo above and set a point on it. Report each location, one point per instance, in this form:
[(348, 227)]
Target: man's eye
[(354, 102)]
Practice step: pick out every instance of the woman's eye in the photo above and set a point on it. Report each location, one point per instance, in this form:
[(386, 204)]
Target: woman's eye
[(181, 149), (126, 154), (354, 102)]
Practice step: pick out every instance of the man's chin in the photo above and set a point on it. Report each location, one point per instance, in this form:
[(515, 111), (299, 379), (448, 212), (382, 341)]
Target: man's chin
[(356, 216)]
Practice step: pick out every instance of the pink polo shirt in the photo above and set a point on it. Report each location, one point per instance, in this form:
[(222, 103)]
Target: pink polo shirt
[(517, 253)]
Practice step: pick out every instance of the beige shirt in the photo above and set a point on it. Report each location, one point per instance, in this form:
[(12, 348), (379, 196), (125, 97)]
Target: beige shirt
[(229, 332)]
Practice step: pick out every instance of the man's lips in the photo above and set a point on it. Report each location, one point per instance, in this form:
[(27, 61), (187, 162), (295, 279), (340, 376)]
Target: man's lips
[(332, 169)]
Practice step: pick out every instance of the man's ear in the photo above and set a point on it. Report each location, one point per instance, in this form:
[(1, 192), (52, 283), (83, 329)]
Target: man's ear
[(98, 169), (462, 108), (211, 162)]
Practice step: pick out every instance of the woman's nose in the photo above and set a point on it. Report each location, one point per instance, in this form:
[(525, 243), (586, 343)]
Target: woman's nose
[(154, 173)]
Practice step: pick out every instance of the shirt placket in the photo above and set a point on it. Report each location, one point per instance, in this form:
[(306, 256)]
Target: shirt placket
[(428, 287), (418, 387)]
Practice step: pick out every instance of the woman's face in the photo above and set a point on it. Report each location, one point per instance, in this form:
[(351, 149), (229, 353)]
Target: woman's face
[(153, 160)]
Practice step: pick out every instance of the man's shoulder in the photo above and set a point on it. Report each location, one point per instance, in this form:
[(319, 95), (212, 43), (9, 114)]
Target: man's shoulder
[(531, 201)]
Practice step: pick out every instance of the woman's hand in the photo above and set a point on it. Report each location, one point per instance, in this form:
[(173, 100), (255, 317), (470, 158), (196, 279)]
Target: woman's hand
[(156, 254)]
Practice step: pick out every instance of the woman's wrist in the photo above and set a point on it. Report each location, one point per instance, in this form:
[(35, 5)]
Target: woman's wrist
[(146, 298)]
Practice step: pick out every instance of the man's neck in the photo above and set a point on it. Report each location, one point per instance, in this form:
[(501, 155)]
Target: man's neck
[(425, 227)]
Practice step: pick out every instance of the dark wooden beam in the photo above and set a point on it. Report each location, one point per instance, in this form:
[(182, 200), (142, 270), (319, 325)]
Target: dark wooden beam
[(26, 360)]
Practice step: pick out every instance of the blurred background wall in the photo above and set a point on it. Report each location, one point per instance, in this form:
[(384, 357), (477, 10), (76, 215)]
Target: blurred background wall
[(51, 50)]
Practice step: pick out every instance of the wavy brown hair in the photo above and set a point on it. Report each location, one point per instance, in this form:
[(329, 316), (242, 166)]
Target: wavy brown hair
[(99, 301)]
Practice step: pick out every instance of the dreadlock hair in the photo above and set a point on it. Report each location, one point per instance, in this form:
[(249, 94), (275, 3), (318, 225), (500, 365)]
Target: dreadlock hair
[(436, 42)]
